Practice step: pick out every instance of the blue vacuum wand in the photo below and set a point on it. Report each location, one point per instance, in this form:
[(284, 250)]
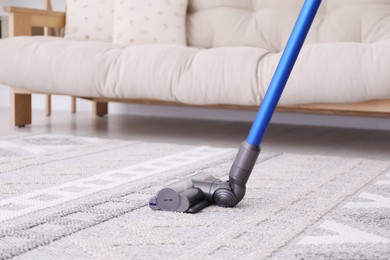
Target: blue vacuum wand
[(200, 191)]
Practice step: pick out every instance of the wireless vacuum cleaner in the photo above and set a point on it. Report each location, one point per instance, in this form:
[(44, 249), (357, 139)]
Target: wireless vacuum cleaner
[(200, 191)]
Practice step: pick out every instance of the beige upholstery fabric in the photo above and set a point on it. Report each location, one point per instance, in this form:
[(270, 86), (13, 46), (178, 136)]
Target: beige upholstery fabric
[(344, 72), (163, 72), (346, 57)]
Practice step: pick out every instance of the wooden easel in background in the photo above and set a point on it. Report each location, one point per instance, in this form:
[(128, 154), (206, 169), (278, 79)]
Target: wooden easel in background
[(48, 32)]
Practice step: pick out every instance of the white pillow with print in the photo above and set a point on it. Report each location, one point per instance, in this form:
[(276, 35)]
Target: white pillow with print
[(150, 21), (89, 20)]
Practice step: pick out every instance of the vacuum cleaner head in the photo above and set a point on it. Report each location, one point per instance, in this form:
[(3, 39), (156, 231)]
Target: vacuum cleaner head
[(202, 190)]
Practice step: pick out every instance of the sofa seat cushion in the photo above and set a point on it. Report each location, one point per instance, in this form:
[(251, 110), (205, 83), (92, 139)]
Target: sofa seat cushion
[(160, 72), (330, 72)]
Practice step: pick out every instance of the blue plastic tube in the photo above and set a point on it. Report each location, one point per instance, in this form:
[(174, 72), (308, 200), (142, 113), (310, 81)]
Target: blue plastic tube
[(283, 71)]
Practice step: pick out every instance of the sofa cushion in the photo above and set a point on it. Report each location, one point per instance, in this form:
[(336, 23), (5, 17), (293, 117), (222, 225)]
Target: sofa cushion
[(160, 72), (268, 23), (89, 20), (329, 72), (143, 22)]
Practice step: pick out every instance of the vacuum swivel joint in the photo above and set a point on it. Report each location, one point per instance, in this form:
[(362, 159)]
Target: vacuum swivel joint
[(230, 193), (242, 168)]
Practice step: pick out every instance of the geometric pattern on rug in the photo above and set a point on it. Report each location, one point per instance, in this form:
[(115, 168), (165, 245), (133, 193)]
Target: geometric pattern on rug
[(290, 198), (44, 198), (357, 229), (40, 144)]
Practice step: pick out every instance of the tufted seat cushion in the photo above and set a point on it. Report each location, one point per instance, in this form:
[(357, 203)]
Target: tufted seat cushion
[(161, 72), (342, 72)]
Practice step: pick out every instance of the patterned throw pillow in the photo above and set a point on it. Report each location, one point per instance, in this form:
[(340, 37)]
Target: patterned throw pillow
[(150, 21), (89, 20)]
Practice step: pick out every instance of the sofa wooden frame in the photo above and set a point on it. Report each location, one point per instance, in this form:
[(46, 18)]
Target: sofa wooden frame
[(21, 21)]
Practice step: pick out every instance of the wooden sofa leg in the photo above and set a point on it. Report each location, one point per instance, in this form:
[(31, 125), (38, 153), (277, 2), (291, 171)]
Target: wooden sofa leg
[(20, 109), (100, 108), (74, 105), (48, 105)]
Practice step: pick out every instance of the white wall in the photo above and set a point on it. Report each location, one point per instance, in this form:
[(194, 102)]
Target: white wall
[(63, 103)]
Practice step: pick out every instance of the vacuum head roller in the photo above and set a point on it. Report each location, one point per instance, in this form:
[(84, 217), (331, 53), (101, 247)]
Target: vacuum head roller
[(200, 191)]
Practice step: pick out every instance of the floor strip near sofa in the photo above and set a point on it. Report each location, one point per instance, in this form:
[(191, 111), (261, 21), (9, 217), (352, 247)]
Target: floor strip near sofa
[(41, 199)]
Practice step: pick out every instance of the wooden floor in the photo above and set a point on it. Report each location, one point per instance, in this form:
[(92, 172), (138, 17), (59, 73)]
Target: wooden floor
[(371, 144)]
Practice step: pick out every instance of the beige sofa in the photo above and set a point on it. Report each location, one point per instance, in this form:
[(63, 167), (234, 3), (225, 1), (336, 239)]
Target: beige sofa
[(232, 48)]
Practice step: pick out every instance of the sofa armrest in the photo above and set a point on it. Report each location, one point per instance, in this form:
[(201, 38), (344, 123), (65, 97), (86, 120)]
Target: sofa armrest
[(21, 20)]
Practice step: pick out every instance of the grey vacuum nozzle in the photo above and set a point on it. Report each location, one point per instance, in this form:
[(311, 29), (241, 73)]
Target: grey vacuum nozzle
[(183, 196), (202, 190)]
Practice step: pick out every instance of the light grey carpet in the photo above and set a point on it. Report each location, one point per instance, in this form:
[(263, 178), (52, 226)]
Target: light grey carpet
[(67, 197)]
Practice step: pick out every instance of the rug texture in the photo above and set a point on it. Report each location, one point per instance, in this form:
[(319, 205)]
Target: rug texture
[(64, 197)]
